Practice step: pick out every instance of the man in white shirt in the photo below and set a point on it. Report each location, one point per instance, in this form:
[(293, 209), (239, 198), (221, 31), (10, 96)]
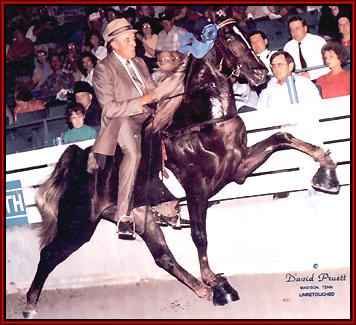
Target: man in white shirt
[(310, 48), (276, 94), (168, 38), (259, 44)]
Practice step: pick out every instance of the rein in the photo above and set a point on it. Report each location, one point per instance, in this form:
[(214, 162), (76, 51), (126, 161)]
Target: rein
[(198, 126)]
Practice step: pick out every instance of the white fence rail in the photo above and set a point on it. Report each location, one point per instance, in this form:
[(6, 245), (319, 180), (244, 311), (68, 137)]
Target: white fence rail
[(288, 170), (246, 235)]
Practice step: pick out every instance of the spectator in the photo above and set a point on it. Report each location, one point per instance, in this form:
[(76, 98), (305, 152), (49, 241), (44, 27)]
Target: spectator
[(238, 13), (259, 44), (166, 61), (209, 17), (308, 45), (128, 13), (337, 82), (168, 37), (185, 18), (344, 29), (244, 95), (289, 10), (70, 61), (96, 40), (42, 70), (86, 64), (84, 95), (58, 80), (25, 103), (112, 14), (78, 130), (87, 47), (95, 23), (45, 28), (101, 11), (276, 93), (328, 26), (20, 52), (147, 14), (261, 13), (149, 42)]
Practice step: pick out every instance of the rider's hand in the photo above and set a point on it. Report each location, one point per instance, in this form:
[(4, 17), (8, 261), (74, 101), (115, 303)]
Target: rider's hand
[(149, 97)]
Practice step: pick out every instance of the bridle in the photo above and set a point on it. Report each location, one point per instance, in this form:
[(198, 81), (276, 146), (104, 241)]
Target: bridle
[(237, 71)]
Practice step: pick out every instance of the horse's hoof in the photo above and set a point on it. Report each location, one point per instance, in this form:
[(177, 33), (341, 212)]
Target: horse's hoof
[(29, 314), (219, 297), (325, 180), (234, 296)]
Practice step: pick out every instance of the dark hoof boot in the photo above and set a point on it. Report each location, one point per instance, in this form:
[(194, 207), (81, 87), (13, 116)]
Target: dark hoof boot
[(223, 292), (29, 314), (126, 229), (325, 180), (219, 296)]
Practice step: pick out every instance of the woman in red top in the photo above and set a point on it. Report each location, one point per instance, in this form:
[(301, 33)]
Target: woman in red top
[(25, 103), (337, 82)]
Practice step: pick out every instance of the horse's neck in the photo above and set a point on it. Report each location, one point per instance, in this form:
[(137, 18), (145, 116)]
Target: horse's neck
[(207, 82)]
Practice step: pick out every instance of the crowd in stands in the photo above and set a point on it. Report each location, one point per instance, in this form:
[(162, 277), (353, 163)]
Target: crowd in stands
[(52, 52)]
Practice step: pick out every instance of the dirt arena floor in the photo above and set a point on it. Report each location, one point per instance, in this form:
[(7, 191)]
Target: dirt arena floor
[(262, 296)]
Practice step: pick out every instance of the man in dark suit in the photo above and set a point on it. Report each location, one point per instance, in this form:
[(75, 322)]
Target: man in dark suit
[(84, 94), (123, 87)]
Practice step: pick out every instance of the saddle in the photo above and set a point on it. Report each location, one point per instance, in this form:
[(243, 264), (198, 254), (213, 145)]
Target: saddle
[(149, 188)]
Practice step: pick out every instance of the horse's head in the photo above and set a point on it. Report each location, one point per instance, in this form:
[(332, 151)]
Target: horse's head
[(235, 52)]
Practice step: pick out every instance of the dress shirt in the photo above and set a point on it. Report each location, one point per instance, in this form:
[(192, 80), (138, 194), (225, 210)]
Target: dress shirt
[(170, 41), (100, 53), (276, 95), (311, 47), (265, 56), (123, 61)]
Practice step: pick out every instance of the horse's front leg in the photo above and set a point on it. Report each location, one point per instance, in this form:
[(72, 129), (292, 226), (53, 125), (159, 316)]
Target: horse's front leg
[(153, 236), (197, 206)]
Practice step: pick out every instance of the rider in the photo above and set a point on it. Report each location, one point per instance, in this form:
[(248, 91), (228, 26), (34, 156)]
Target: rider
[(123, 87)]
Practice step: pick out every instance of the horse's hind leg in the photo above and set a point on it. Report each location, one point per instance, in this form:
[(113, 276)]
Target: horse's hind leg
[(63, 245), (153, 236), (325, 179)]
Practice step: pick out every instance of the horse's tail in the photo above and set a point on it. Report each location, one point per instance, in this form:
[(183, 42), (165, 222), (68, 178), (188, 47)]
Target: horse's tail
[(49, 193)]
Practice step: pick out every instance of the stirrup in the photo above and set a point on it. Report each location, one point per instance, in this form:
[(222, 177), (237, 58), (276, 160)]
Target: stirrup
[(126, 229)]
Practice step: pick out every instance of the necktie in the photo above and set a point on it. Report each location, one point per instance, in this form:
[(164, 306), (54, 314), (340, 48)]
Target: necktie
[(301, 57), (134, 77)]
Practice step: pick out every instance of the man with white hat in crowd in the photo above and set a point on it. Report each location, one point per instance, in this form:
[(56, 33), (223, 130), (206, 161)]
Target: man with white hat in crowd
[(95, 22), (123, 87)]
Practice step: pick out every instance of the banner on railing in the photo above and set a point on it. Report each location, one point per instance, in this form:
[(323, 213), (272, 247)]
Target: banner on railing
[(15, 204)]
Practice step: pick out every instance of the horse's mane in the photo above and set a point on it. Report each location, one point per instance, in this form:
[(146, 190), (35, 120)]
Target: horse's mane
[(169, 91)]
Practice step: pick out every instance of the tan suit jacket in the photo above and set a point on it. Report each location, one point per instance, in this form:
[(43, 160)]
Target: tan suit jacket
[(118, 98)]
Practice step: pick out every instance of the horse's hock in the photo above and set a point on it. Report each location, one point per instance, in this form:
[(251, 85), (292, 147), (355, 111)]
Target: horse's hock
[(248, 233)]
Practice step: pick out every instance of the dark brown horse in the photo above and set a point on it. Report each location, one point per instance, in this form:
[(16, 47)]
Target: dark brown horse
[(207, 148)]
